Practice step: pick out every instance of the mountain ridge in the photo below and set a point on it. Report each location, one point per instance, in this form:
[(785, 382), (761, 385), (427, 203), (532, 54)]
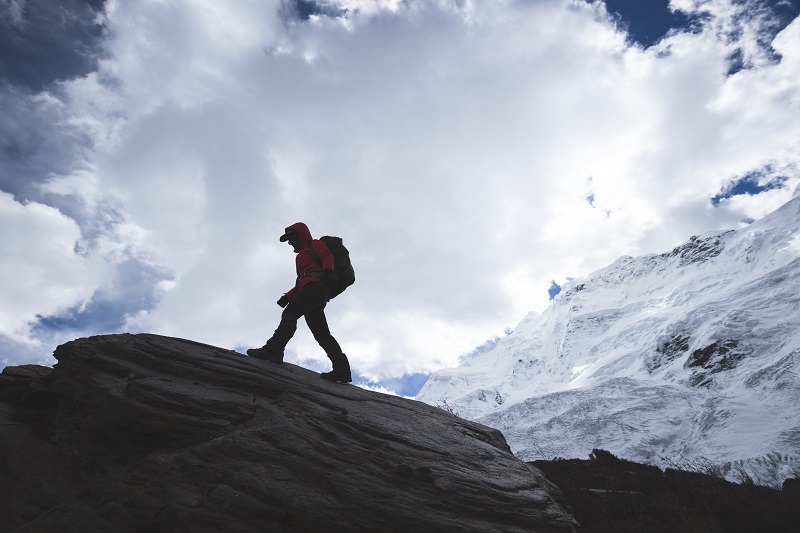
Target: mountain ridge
[(673, 358)]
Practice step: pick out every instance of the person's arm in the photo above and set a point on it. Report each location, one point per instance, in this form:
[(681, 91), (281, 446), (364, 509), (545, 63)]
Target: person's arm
[(284, 300)]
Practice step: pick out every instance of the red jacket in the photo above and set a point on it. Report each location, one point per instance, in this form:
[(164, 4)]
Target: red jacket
[(305, 263)]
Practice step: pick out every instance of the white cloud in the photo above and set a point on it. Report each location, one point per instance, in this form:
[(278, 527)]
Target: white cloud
[(40, 271), (454, 145)]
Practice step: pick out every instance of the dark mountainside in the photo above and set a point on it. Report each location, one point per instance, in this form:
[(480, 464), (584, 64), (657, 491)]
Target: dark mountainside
[(612, 495), (144, 433)]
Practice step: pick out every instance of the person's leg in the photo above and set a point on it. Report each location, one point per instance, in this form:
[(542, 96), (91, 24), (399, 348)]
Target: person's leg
[(318, 325), (285, 330), (297, 307)]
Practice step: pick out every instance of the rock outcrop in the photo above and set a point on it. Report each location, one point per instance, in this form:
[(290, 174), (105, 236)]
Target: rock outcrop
[(609, 495), (151, 433)]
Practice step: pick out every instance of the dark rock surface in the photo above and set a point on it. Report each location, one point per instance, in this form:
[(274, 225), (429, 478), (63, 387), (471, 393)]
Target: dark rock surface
[(148, 433), (611, 495)]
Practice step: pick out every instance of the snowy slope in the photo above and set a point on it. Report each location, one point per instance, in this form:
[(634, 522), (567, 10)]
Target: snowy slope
[(688, 358)]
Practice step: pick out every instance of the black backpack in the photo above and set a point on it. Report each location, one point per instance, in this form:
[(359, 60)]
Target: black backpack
[(343, 273)]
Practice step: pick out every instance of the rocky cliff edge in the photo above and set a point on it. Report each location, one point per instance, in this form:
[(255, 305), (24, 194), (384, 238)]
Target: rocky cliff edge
[(151, 433)]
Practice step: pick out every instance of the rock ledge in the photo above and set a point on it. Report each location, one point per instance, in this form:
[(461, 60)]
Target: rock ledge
[(151, 433)]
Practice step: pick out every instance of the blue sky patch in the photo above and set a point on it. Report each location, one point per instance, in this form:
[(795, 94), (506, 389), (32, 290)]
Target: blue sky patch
[(407, 385), (305, 9), (751, 184), (647, 21), (553, 290)]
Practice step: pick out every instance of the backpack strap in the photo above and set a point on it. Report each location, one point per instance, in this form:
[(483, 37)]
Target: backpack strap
[(313, 255), (316, 272)]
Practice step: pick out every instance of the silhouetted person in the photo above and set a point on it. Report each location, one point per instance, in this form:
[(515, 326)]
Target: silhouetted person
[(308, 298)]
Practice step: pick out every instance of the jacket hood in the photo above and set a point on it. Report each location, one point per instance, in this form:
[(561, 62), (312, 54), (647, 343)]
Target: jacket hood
[(303, 232)]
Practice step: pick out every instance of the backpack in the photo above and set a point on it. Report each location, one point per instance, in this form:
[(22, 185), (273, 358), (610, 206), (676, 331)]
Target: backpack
[(343, 273)]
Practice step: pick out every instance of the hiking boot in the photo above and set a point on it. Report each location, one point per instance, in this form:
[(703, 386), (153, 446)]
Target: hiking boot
[(261, 353), (341, 369), (339, 375)]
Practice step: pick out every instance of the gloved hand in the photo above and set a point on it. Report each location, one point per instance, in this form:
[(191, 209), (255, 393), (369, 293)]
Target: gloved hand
[(283, 301), (327, 279)]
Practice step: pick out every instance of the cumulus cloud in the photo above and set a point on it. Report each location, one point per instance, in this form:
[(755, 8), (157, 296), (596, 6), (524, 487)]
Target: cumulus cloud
[(468, 152), (41, 269)]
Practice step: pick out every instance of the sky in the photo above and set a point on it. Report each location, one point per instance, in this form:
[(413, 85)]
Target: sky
[(473, 155)]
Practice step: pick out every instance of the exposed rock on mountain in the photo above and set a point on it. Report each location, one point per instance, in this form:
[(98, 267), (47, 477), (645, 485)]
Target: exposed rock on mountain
[(682, 358), (610, 495), (149, 433)]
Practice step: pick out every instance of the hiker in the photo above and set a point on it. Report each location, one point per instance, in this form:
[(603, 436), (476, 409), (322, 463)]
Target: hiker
[(308, 298)]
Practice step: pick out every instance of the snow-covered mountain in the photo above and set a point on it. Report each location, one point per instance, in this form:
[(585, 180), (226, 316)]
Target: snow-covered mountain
[(689, 358)]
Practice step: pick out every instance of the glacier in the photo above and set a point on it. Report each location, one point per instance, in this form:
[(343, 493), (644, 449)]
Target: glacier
[(684, 359)]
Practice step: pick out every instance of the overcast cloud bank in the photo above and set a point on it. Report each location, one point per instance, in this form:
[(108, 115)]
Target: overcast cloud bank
[(470, 153)]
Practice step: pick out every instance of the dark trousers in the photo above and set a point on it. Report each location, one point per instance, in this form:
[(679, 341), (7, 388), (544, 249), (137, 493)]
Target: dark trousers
[(309, 302)]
